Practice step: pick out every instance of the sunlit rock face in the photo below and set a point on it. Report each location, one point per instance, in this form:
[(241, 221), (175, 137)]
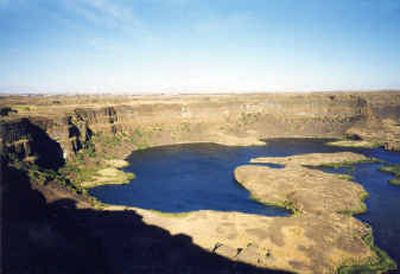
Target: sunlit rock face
[(34, 129), (228, 119)]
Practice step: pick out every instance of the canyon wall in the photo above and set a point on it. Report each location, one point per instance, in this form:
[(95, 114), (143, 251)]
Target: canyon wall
[(74, 122)]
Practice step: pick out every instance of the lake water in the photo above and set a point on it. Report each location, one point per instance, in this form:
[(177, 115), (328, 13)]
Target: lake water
[(191, 177)]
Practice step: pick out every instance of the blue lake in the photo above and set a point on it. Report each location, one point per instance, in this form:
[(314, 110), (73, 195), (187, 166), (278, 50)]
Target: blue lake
[(191, 177)]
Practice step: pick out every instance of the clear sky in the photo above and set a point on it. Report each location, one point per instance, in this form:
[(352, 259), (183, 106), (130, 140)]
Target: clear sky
[(195, 46)]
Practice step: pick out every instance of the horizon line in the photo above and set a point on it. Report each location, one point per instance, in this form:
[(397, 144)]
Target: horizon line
[(188, 93)]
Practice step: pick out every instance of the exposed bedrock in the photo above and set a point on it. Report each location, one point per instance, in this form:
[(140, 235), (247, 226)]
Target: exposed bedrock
[(318, 238), (23, 139), (226, 119), (27, 136)]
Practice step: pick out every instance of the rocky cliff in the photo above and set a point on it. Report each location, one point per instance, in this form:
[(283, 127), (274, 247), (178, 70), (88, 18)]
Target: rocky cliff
[(24, 140), (72, 121), (87, 132)]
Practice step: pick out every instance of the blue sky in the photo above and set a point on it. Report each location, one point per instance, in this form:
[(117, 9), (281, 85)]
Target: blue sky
[(198, 46)]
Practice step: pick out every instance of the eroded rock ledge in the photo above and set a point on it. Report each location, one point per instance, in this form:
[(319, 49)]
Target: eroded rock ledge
[(319, 238), (232, 119)]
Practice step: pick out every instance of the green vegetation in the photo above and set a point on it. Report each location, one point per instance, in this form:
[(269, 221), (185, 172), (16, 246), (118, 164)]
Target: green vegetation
[(86, 172), (288, 205), (83, 166), (246, 118), (108, 141), (130, 176), (395, 170), (99, 162), (109, 176), (362, 209), (381, 264), (22, 108), (170, 214), (354, 143), (138, 138), (78, 171), (185, 127), (142, 145), (346, 177), (41, 176), (90, 150), (348, 164)]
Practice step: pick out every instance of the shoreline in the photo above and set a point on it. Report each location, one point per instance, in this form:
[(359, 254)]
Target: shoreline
[(159, 218), (159, 215), (69, 145)]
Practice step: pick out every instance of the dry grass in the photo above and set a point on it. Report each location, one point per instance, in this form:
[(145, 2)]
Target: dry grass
[(109, 176), (317, 239), (315, 159), (117, 163)]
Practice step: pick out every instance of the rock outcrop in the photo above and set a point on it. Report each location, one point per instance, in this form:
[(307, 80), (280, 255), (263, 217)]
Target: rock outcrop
[(24, 140), (319, 237), (227, 119)]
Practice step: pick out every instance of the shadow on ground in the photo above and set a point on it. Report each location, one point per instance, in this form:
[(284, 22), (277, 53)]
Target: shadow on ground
[(59, 238)]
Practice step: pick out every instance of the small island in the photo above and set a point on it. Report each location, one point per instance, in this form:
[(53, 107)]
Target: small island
[(394, 170)]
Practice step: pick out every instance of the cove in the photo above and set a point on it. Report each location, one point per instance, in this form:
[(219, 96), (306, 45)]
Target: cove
[(383, 202), (184, 178)]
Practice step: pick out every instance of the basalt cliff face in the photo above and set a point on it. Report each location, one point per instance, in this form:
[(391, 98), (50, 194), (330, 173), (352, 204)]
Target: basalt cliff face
[(66, 141), (73, 121), (70, 130)]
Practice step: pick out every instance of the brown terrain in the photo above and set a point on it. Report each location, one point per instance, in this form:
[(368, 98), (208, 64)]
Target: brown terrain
[(318, 238), (226, 119), (81, 140)]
